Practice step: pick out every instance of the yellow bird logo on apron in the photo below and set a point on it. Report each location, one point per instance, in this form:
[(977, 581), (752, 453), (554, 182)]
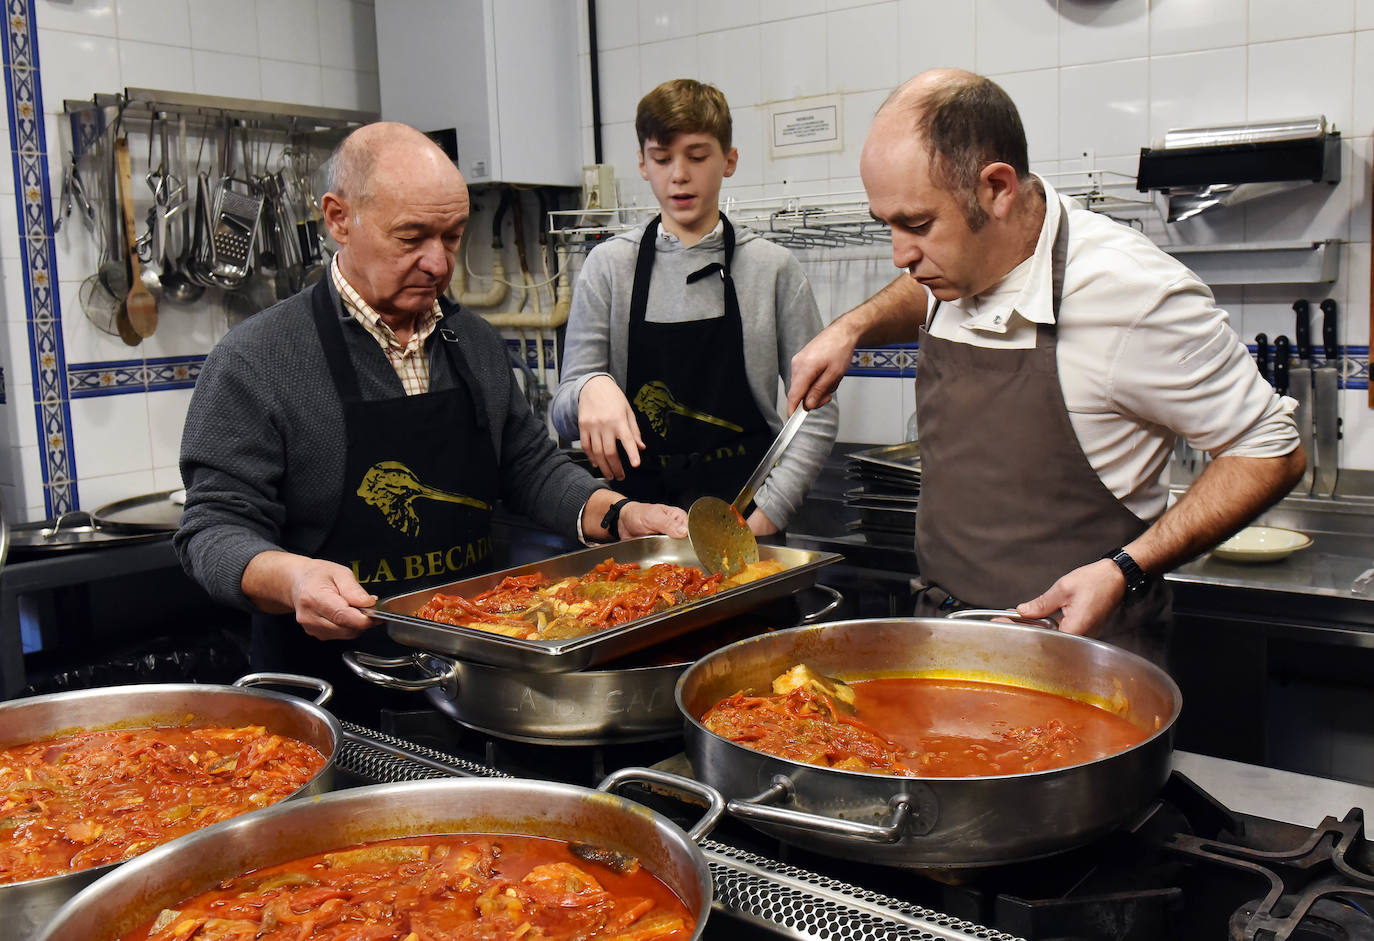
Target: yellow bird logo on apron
[(393, 489), (657, 402)]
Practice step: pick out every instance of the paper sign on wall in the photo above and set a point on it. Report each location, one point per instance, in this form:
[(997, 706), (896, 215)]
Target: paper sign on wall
[(806, 126)]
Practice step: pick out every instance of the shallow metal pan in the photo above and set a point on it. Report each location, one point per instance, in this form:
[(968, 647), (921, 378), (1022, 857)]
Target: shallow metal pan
[(578, 653), (28, 905), (905, 458), (147, 513)]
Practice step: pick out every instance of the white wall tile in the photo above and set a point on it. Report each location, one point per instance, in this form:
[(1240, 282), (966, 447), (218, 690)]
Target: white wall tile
[(859, 110), (291, 82), (726, 14), (1362, 103), (936, 34), (1354, 328), (103, 489), (871, 410), (30, 466), (110, 434), (287, 30), (666, 19), (1276, 19), (861, 48), (345, 88), (220, 73), (1364, 14), (617, 24), (348, 35), (21, 421), (1016, 37), (1036, 95), (1090, 31), (9, 229), (160, 21), (1196, 89), (662, 61), (76, 65), (748, 135), (729, 60), (1103, 107), (152, 65), (621, 86), (1302, 77), (789, 58), (167, 477), (224, 27), (771, 10), (77, 16), (166, 419), (1187, 27)]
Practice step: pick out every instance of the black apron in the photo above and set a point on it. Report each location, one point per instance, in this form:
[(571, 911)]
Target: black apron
[(1009, 502), (419, 484), (703, 433)]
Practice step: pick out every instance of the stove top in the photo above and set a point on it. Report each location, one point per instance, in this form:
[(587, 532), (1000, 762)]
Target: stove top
[(1185, 868)]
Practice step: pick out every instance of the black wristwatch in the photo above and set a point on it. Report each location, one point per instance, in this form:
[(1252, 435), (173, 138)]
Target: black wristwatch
[(1137, 582), (611, 521)]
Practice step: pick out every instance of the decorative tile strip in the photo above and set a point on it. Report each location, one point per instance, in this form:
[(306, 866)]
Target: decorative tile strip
[(33, 199), (528, 350), (1353, 360), (887, 362), (2, 385), (91, 380)]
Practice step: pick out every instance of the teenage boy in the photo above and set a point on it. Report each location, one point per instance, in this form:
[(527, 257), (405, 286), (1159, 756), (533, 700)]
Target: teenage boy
[(681, 328)]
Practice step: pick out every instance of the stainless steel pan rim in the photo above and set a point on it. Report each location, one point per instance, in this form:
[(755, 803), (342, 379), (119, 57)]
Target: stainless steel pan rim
[(29, 904), (936, 822), (169, 874)]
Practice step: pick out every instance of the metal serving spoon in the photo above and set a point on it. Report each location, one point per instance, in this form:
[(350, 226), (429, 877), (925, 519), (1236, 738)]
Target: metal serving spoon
[(720, 537)]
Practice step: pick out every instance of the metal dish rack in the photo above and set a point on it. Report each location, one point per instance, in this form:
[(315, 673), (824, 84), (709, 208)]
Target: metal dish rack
[(785, 900)]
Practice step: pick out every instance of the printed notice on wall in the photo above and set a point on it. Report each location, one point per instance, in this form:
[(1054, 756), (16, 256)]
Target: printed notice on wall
[(806, 126)]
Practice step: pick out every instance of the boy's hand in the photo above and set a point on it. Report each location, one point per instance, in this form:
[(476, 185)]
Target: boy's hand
[(604, 417)]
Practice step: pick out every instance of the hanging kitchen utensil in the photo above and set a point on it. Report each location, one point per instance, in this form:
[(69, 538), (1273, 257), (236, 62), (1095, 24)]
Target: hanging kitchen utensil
[(1326, 404), (1262, 355), (139, 305), (176, 282), (113, 271), (720, 537), (1281, 348), (1300, 388)]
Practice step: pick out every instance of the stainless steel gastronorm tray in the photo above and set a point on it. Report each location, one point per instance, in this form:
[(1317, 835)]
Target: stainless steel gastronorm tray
[(578, 653), (904, 458)]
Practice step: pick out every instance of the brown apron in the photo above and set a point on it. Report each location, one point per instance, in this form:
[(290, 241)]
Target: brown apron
[(1009, 502)]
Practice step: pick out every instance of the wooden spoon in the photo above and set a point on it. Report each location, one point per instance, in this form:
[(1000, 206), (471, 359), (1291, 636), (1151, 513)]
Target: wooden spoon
[(140, 306)]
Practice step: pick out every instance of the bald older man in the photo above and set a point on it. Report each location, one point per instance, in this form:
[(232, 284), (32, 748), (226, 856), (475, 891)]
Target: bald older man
[(1061, 355), (353, 440)]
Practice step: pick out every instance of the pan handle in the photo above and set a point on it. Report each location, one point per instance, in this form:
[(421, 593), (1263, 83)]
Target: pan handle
[(836, 599), (324, 690), (757, 808), (361, 663), (987, 614), (715, 803)]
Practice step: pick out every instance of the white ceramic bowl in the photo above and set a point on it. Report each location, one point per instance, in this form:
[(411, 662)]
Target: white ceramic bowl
[(1262, 544)]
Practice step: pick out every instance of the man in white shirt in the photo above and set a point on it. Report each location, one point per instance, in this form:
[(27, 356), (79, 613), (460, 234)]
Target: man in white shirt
[(1061, 354)]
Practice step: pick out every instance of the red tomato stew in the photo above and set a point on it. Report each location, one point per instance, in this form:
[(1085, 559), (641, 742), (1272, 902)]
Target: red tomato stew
[(93, 798), (435, 888), (922, 727)]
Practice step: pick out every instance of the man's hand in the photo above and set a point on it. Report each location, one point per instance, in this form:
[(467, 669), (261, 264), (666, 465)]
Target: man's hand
[(324, 596), (1086, 596), (819, 366), (604, 416), (646, 519)]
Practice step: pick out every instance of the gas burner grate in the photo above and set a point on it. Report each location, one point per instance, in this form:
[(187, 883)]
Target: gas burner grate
[(783, 899)]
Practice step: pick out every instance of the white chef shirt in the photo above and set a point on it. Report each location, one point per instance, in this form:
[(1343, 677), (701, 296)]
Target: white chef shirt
[(1144, 355)]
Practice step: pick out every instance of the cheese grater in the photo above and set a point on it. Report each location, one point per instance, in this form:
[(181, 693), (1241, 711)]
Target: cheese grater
[(235, 228)]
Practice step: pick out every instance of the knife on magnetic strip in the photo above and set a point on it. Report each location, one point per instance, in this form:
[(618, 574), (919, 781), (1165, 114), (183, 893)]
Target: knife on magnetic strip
[(1326, 406), (1300, 388)]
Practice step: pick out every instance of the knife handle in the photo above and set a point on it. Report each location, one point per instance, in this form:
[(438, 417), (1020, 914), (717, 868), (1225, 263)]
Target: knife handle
[(1262, 354), (1328, 307), (1281, 364), (1302, 338)]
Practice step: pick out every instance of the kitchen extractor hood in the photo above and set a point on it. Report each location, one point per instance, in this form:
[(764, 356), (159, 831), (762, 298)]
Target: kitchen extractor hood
[(1205, 167)]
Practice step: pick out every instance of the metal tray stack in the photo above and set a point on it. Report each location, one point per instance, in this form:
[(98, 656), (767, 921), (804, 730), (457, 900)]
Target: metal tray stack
[(889, 479)]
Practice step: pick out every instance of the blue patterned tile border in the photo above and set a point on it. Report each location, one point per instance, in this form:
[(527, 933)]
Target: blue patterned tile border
[(1354, 364), (33, 199), (91, 380), (529, 351), (889, 362), (2, 385)]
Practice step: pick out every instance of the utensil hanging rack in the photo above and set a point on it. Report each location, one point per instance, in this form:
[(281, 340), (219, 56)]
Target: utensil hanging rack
[(266, 115)]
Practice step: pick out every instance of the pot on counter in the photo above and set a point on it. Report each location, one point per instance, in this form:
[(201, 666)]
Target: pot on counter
[(28, 905), (160, 879), (931, 822), (627, 701)]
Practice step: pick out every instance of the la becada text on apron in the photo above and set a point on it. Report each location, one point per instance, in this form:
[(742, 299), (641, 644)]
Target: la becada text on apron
[(419, 485), (703, 432), (1009, 501)]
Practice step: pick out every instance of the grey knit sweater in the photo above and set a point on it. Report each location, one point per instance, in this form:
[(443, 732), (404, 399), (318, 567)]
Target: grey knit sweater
[(263, 449), (778, 314)]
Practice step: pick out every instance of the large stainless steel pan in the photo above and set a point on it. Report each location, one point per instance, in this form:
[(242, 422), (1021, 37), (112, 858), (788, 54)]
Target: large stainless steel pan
[(935, 822), (579, 653), (621, 703), (138, 890), (27, 906)]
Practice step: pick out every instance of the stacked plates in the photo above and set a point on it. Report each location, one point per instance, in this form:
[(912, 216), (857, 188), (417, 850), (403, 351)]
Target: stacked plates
[(889, 484)]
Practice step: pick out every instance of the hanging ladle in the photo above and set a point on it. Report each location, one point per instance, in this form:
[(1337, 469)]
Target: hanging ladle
[(720, 537)]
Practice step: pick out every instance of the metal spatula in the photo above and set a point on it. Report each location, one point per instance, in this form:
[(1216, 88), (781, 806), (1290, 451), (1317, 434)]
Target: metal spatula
[(720, 537)]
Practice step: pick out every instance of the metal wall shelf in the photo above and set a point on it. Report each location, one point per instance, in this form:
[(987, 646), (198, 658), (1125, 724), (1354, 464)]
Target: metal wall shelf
[(1262, 262)]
